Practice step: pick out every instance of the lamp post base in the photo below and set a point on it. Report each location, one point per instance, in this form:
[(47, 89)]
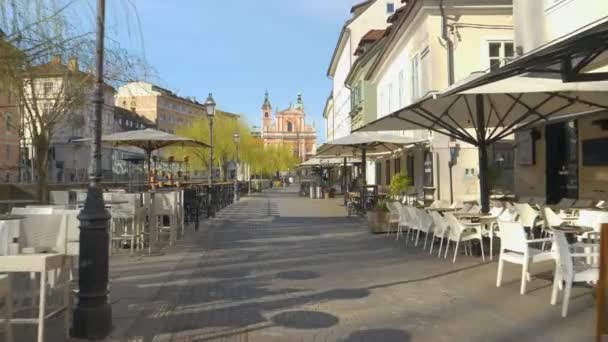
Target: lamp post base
[(92, 322)]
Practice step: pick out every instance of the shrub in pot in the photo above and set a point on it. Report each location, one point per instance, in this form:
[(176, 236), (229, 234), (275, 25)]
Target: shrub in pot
[(377, 217), (399, 184)]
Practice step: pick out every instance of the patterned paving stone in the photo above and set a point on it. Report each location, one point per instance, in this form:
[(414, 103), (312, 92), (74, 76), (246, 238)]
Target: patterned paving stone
[(277, 267)]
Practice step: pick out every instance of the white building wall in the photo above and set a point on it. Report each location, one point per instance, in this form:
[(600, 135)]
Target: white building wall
[(538, 22), (341, 107)]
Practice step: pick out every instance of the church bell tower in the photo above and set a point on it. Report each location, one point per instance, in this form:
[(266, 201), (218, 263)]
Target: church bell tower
[(266, 112)]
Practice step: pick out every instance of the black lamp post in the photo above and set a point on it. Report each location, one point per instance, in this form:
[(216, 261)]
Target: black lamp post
[(93, 313), (210, 108), (237, 139)]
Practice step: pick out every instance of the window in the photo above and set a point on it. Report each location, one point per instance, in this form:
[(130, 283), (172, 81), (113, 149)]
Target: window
[(289, 126), (390, 98), (7, 152), (416, 77), (266, 114), (387, 172), (390, 7), (500, 53), (410, 169), (401, 89), (356, 96), (397, 165), (378, 172), (7, 118), (47, 108), (47, 87)]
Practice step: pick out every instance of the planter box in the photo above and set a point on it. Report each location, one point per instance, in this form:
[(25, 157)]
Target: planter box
[(377, 220)]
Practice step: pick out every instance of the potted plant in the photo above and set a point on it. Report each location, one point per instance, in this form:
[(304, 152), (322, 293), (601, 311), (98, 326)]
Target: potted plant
[(377, 217)]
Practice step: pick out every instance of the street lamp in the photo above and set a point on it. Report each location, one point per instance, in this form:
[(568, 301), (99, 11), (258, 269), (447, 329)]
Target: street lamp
[(237, 139), (210, 108), (92, 317)]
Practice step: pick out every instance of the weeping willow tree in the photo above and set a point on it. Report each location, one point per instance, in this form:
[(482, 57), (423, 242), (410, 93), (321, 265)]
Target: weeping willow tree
[(262, 160), (36, 37)]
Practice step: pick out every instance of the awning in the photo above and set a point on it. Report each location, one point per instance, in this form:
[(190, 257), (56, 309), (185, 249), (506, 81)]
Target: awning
[(504, 106), (327, 162), (371, 142), (572, 58)]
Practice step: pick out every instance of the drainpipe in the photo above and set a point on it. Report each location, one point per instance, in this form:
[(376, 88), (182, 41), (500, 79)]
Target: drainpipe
[(450, 44)]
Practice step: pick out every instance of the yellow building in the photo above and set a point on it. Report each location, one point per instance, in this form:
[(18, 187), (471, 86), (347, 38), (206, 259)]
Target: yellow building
[(159, 105)]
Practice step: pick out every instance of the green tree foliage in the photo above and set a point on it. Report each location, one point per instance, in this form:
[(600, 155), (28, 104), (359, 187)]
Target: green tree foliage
[(262, 161), (399, 184)]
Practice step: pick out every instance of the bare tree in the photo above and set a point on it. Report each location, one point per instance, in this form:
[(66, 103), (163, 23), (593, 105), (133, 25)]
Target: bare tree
[(36, 39)]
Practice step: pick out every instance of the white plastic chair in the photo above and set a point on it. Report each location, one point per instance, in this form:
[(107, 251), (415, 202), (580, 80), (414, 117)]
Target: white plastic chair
[(425, 225), (414, 223), (464, 208), (404, 220), (165, 204), (567, 273), (393, 218), (474, 209), (440, 231), (565, 203), (459, 233), (551, 218), (515, 248), (528, 217)]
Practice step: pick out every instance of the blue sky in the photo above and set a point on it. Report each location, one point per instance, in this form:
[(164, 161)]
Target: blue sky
[(236, 49)]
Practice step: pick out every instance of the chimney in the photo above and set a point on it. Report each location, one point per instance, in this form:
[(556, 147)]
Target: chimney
[(73, 64), (56, 59)]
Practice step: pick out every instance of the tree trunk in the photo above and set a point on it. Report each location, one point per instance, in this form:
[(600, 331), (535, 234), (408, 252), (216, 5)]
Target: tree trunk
[(41, 163)]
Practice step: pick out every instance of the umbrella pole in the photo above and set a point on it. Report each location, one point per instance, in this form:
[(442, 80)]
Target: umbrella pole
[(484, 189), (364, 176), (344, 181)]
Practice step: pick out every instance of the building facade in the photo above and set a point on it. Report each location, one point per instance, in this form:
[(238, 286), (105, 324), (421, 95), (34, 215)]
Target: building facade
[(289, 127), (559, 158), (10, 127), (367, 15), (414, 63), (159, 105), (62, 94)]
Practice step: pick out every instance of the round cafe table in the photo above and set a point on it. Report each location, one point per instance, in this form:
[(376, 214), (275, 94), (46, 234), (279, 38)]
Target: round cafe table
[(481, 220)]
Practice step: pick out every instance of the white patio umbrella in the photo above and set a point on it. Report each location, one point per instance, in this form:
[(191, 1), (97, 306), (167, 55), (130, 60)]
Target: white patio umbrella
[(490, 112), (365, 142), (149, 140), (326, 162)]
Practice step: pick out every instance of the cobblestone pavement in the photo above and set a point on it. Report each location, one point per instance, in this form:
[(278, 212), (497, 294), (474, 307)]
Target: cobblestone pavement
[(277, 267)]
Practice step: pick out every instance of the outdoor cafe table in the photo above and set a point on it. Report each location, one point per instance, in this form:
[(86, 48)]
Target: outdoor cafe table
[(480, 220)]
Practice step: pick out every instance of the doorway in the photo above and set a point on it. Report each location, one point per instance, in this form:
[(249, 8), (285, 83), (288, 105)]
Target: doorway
[(561, 141)]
